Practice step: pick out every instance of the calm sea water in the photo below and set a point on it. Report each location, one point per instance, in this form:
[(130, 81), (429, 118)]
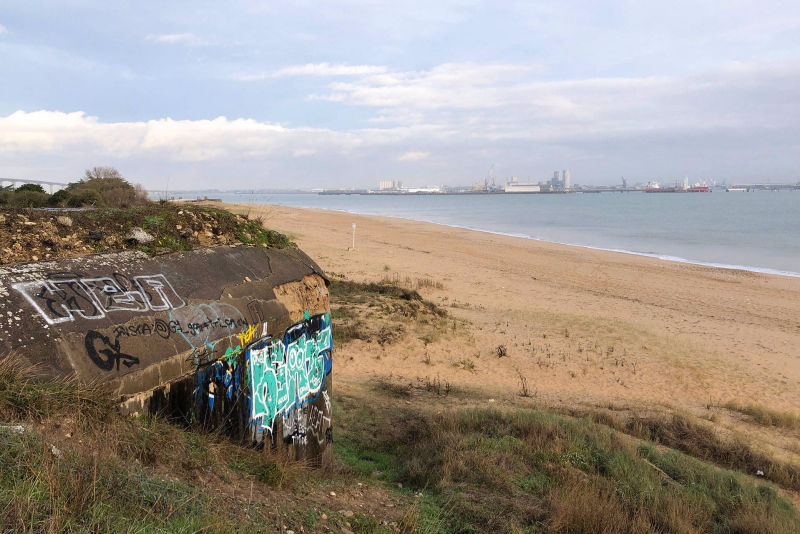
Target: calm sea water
[(757, 231)]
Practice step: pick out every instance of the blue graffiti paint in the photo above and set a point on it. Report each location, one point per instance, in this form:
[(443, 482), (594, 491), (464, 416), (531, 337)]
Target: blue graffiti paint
[(290, 372)]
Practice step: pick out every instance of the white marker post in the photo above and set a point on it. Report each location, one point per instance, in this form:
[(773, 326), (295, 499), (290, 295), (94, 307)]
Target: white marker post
[(354, 237)]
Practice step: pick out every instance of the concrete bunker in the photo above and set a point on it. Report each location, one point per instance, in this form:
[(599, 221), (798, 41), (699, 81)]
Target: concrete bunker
[(231, 338)]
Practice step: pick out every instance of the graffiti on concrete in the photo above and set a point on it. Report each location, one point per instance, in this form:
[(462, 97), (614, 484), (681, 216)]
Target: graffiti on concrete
[(301, 426), (106, 353), (159, 327), (287, 373), (60, 299), (204, 326)]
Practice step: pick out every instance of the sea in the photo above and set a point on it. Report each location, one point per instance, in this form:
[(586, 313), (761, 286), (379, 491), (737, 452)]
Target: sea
[(756, 231)]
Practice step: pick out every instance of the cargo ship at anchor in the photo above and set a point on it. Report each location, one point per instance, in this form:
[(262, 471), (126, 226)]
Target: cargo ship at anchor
[(654, 187)]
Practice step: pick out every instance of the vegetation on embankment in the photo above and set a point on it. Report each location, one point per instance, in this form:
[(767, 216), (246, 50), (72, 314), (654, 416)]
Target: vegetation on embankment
[(383, 313), (495, 469), (33, 235), (106, 213), (69, 462)]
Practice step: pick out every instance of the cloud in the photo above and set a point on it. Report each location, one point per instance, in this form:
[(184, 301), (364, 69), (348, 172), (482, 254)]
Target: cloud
[(311, 69), (728, 121), (53, 132), (188, 39), (3, 29), (413, 156), (328, 69), (508, 101)]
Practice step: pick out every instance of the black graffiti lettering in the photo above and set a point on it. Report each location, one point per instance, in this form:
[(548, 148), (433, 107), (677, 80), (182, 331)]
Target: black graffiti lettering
[(254, 307), (60, 299), (106, 354), (113, 297), (161, 328)]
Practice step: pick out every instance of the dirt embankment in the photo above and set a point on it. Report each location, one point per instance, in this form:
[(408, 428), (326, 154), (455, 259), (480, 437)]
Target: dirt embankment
[(35, 235)]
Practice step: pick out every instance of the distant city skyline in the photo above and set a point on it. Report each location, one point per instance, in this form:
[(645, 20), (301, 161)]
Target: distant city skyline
[(201, 95)]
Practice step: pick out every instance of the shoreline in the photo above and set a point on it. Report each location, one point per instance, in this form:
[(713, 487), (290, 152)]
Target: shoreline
[(689, 332), (658, 256)]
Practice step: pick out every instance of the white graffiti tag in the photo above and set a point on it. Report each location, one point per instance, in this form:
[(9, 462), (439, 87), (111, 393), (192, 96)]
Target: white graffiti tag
[(59, 300)]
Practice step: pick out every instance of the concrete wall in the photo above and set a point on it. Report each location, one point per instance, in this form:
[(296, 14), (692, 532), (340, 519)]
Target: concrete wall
[(237, 339)]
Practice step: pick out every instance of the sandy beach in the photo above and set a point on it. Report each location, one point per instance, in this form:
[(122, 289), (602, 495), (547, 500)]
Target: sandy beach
[(582, 325)]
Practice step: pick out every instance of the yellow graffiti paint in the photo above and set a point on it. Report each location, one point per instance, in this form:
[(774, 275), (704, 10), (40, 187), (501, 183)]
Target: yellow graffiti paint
[(248, 335)]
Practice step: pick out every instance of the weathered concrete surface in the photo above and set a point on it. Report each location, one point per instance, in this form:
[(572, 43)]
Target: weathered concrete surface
[(236, 338)]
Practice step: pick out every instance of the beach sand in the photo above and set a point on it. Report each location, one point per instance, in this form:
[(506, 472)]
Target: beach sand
[(582, 326)]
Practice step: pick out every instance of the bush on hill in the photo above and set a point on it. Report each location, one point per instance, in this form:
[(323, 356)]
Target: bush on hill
[(100, 187)]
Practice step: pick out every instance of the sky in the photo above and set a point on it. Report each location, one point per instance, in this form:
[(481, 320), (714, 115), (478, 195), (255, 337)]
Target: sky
[(255, 94)]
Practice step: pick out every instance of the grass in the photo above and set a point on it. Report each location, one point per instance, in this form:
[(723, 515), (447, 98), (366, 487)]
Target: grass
[(765, 416), (23, 398), (76, 493), (412, 283), (69, 462), (531, 470), (703, 442), (382, 313)]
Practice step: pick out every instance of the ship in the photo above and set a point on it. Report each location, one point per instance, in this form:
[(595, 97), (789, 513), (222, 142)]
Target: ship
[(654, 187)]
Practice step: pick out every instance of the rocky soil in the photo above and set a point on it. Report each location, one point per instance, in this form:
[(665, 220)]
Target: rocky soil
[(34, 235)]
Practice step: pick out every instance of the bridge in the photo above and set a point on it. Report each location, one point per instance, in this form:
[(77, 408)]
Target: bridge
[(20, 181)]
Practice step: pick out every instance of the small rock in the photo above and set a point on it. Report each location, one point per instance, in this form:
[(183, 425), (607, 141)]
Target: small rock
[(96, 235), (759, 473), (55, 451), (332, 494), (348, 513), (346, 530), (178, 227), (324, 516), (139, 236), (290, 532), (63, 220), (34, 258), (400, 485)]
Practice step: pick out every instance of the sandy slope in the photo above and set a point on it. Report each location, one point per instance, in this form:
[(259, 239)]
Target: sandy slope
[(580, 325)]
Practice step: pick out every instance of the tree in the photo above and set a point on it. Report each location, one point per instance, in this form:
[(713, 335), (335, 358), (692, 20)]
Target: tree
[(105, 186), (36, 188), (101, 173)]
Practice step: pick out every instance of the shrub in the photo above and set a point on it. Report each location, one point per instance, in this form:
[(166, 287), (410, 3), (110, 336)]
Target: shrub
[(36, 188), (29, 199)]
